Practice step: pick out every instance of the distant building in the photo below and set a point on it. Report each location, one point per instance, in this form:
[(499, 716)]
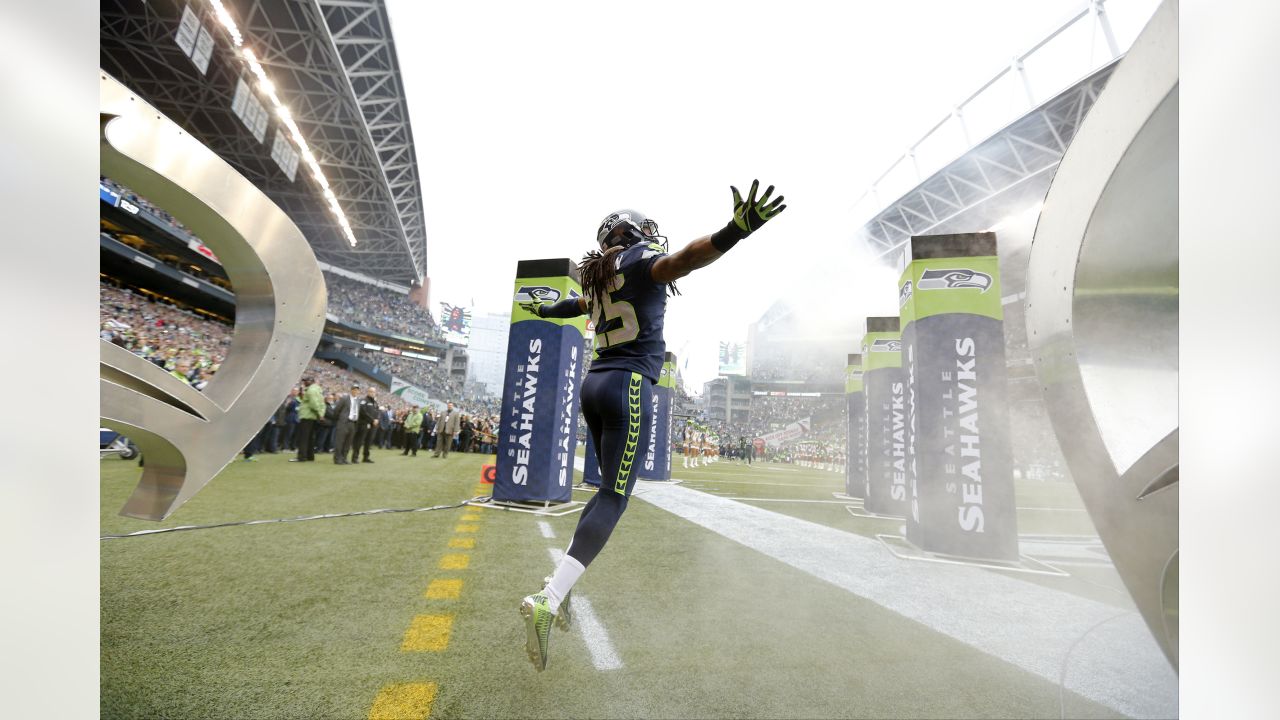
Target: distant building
[(487, 351)]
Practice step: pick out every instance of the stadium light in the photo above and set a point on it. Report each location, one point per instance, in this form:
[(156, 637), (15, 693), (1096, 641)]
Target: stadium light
[(268, 88)]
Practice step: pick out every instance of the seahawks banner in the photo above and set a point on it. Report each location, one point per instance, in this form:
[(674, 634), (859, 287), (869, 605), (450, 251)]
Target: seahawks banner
[(884, 395), (537, 435), (855, 471), (962, 499), (657, 456), (591, 466)]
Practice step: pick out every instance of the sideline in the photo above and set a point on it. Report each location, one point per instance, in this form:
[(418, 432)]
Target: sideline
[(1030, 626)]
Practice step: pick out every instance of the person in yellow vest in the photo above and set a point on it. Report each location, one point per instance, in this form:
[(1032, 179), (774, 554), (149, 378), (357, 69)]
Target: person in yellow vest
[(412, 426)]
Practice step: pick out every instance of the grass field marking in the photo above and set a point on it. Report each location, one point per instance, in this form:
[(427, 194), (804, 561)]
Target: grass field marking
[(469, 517), (461, 528), (402, 701), (816, 486), (545, 527), (1023, 623), (793, 500), (427, 633), (462, 543), (444, 589), (454, 561), (603, 654)]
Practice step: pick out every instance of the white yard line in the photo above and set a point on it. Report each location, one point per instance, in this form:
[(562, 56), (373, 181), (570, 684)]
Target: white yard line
[(817, 486), (753, 499), (545, 527), (1030, 626), (589, 627)]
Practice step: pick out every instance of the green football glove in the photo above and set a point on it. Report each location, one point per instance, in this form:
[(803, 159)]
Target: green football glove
[(753, 213), (534, 307)]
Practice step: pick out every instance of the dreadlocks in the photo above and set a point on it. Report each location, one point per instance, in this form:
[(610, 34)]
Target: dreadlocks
[(599, 270)]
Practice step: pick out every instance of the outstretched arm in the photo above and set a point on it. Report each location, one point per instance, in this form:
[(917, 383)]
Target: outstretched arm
[(567, 308), (748, 216)]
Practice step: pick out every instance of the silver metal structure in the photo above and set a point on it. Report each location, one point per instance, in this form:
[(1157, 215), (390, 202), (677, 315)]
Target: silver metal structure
[(1102, 319), (188, 436), (333, 64)]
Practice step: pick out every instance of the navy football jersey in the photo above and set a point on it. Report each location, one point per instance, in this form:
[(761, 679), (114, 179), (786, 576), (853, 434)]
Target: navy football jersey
[(629, 322)]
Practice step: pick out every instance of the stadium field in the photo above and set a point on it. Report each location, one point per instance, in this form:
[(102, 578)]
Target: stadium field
[(414, 614)]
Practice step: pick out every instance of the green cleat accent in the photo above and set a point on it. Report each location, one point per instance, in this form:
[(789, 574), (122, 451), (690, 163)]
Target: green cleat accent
[(564, 616), (536, 612)]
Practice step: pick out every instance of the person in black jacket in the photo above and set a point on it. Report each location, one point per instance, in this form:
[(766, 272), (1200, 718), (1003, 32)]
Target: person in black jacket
[(347, 413), (365, 426)]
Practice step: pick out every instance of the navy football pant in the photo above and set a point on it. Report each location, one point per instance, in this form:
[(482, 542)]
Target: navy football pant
[(616, 406)]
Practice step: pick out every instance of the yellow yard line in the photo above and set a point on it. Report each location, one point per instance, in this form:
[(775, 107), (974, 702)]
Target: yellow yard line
[(401, 701), (462, 543), (455, 561), (466, 528), (427, 633), (444, 589)]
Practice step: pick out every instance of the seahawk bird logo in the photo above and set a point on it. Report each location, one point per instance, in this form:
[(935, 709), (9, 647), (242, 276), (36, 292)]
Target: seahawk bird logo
[(952, 278), (886, 346), (529, 293), (904, 294)]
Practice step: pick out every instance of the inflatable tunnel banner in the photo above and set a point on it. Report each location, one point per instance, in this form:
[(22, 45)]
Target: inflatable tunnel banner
[(537, 435), (958, 445), (855, 472), (657, 455), (884, 394)]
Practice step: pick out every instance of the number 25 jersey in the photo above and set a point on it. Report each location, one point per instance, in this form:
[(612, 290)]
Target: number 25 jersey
[(629, 321)]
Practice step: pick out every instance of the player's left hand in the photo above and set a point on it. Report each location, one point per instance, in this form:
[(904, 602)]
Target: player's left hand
[(534, 307), (750, 214)]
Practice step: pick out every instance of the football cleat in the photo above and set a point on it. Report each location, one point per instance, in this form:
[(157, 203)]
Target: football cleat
[(564, 616), (537, 625)]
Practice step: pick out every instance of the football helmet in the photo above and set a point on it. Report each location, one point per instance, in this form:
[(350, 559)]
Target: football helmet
[(627, 227)]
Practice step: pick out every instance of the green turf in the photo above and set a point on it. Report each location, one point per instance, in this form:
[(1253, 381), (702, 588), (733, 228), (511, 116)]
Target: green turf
[(305, 620)]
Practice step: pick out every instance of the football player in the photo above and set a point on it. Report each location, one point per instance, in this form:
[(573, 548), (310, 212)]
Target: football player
[(625, 284)]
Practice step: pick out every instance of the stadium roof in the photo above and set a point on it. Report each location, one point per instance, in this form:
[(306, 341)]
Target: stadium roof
[(328, 67), (999, 147)]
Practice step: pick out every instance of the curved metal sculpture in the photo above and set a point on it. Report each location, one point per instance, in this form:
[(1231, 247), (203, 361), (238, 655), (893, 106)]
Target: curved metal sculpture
[(1102, 319), (188, 436)]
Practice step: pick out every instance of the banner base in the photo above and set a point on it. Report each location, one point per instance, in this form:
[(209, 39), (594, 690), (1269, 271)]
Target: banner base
[(844, 496), (902, 549), (545, 509), (861, 512)]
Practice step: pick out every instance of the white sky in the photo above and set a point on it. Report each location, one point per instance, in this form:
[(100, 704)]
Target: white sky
[(533, 121)]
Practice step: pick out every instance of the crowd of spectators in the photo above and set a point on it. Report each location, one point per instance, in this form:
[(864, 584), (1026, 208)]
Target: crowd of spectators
[(379, 308), (143, 203), (186, 344), (192, 347)]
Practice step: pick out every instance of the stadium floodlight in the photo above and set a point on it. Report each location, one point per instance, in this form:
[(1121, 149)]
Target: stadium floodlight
[(268, 88)]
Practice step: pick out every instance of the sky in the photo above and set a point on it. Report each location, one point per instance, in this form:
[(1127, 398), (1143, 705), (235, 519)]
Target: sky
[(533, 121)]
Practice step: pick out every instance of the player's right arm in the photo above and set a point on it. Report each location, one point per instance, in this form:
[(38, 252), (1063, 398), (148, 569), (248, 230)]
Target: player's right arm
[(748, 216)]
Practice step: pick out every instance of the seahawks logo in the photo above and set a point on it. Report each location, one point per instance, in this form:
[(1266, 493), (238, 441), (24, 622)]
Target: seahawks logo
[(904, 294), (951, 279), (529, 293), (884, 345)]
